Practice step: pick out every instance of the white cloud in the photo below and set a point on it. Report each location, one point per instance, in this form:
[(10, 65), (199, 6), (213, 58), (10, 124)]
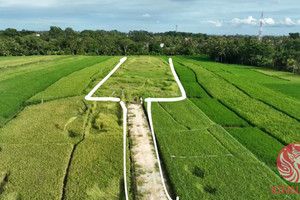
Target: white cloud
[(146, 15), (268, 21), (216, 23), (249, 21), (287, 22)]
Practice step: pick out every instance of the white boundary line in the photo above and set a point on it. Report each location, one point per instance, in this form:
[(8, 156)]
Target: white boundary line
[(124, 145), (114, 99), (149, 101), (89, 96)]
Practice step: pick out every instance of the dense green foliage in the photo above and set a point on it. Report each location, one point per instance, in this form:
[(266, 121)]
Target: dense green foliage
[(100, 42), (281, 53)]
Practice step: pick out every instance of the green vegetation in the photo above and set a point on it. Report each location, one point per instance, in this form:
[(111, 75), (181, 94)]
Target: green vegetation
[(140, 77), (48, 143), (248, 80), (85, 138), (42, 129), (23, 69), (45, 150), (262, 145), (234, 95), (281, 53), (36, 149), (204, 160), (288, 87), (189, 82), (220, 143), (96, 171), (7, 62), (17, 89), (277, 52), (273, 121), (212, 108), (183, 118), (77, 83), (218, 113)]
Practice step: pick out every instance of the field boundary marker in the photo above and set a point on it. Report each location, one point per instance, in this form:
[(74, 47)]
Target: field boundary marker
[(174, 99), (149, 101), (204, 156), (114, 99)]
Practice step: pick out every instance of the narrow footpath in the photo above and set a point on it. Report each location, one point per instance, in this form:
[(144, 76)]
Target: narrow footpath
[(148, 181)]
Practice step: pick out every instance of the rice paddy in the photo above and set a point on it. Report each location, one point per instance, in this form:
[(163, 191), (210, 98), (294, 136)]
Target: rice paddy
[(222, 142)]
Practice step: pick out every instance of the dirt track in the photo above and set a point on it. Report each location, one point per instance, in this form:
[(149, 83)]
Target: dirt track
[(149, 186)]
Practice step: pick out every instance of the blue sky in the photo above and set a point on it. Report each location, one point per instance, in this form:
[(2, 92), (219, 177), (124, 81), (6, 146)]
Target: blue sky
[(199, 16)]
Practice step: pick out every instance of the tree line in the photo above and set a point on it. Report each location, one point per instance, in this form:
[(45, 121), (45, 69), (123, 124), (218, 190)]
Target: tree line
[(282, 53)]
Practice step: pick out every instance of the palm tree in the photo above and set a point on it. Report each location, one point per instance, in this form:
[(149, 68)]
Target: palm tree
[(293, 65)]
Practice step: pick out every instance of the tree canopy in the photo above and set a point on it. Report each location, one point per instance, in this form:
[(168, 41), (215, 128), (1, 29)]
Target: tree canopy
[(278, 52)]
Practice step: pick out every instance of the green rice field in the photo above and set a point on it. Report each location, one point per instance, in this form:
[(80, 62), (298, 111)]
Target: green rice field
[(222, 142)]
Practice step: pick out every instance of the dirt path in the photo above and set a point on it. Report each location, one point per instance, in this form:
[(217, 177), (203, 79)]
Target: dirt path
[(149, 186)]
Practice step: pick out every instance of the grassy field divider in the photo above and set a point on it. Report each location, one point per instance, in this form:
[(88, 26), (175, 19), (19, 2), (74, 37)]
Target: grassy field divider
[(173, 118), (238, 114), (19, 88), (114, 99), (251, 96), (24, 63), (255, 158), (207, 92), (262, 130), (86, 127), (85, 80), (250, 123), (243, 118), (149, 101), (3, 181)]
